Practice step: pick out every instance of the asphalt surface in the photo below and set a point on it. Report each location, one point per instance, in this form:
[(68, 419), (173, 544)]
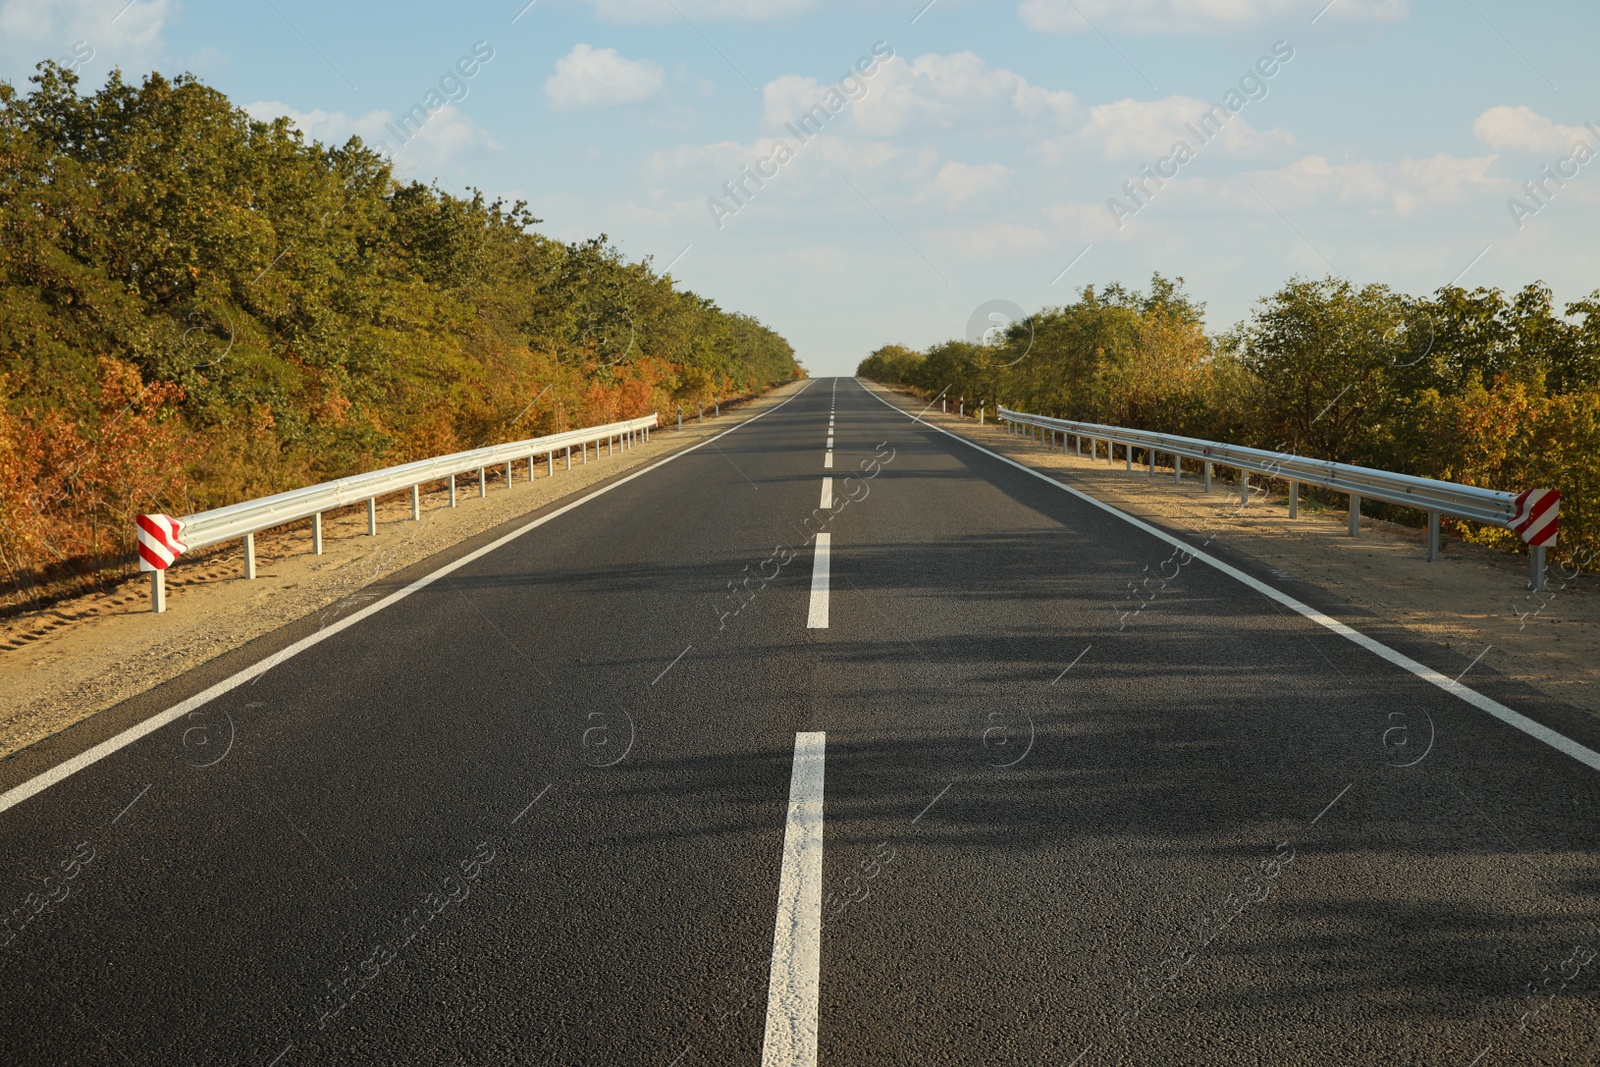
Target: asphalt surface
[(534, 812)]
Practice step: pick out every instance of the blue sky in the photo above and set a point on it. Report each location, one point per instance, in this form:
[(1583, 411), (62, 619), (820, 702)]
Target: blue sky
[(977, 160)]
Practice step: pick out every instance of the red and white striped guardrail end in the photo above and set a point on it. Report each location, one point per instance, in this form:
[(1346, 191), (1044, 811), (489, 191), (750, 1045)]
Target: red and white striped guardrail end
[(1538, 515), (158, 541)]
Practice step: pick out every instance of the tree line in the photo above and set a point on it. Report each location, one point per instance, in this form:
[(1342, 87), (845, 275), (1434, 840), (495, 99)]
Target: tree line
[(1468, 386), (197, 308)]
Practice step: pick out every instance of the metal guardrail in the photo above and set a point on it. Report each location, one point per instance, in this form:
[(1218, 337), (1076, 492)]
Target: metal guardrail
[(1534, 514), (246, 519)]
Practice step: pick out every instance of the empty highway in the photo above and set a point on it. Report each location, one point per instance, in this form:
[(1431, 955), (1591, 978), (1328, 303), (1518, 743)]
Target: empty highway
[(834, 740)]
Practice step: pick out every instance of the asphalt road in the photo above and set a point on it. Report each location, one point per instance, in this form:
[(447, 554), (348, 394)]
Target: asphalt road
[(568, 804)]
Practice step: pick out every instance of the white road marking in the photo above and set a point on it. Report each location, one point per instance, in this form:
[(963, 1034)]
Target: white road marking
[(1514, 719), (830, 440), (827, 494), (818, 619), (827, 460), (40, 782), (791, 1039)]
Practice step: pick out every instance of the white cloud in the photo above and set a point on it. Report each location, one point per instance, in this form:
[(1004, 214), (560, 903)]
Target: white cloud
[(945, 91), (54, 21), (1088, 223), (675, 10), (959, 182), (1188, 16), (1406, 186), (989, 241), (598, 77), (329, 127), (1521, 129), (68, 30), (1144, 130), (700, 162), (1309, 185), (790, 96), (447, 136)]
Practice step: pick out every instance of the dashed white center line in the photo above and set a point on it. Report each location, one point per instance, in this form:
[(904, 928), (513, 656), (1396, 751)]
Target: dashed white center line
[(830, 441), (818, 618), (827, 460), (791, 1038), (827, 494)]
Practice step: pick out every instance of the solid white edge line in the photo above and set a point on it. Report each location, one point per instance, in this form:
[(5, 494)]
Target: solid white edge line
[(40, 782), (792, 991), (817, 619), (827, 494), (1511, 718)]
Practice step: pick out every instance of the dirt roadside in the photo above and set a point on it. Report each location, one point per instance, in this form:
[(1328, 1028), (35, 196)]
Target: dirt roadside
[(1474, 600), (61, 665)]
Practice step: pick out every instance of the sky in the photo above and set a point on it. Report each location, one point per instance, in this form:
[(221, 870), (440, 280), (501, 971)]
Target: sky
[(871, 172)]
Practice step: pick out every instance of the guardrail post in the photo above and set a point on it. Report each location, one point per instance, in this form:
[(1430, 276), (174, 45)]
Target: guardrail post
[(1208, 476), (483, 482), (647, 435), (1127, 456), (680, 416), (316, 534), (416, 503), (1177, 469), (508, 474), (1244, 487), (1535, 568), (250, 557), (569, 457), (1294, 500), (1355, 514), (608, 445), (944, 405), (1433, 536), (961, 409), (452, 490), (372, 516), (158, 591), (1150, 452), (550, 463), (716, 409)]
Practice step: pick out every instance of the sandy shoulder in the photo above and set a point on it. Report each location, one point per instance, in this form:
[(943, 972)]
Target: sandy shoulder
[(1472, 600), (69, 662)]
